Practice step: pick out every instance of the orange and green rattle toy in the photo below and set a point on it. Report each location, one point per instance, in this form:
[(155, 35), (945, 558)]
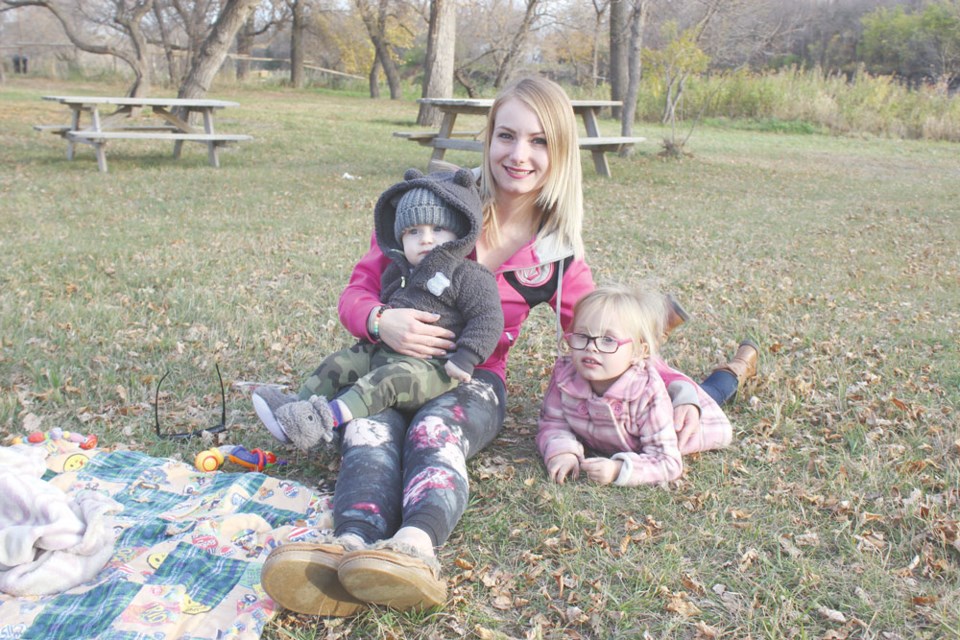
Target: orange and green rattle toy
[(252, 460)]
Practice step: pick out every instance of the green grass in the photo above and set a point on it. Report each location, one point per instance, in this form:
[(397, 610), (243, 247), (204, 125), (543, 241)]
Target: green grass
[(838, 255)]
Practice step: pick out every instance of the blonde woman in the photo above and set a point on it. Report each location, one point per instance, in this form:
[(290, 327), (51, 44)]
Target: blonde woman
[(402, 485)]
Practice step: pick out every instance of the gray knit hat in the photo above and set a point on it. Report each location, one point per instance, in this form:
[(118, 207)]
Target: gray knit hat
[(423, 206)]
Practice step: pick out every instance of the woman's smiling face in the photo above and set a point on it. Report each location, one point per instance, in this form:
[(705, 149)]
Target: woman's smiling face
[(518, 150)]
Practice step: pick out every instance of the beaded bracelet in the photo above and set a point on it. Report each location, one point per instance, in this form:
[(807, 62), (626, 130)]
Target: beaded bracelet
[(375, 333)]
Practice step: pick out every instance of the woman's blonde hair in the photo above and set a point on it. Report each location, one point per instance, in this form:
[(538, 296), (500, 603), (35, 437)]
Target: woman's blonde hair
[(639, 310), (560, 201)]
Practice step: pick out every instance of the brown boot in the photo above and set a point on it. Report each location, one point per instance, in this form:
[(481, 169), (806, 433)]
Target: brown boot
[(744, 363), (676, 316)]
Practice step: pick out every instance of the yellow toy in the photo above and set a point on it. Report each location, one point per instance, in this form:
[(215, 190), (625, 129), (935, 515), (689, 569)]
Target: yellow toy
[(208, 460), (255, 460)]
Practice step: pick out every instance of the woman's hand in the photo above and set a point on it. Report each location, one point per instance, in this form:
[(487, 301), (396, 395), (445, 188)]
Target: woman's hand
[(563, 465), (413, 333), (601, 470), (686, 417)]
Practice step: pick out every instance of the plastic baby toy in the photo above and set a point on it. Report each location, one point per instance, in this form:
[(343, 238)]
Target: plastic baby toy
[(85, 441), (252, 460)]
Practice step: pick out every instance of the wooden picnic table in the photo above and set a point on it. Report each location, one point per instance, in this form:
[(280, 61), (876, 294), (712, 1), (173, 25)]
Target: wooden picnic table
[(447, 137), (170, 121)]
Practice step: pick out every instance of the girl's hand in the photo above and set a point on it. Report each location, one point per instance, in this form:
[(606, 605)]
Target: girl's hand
[(601, 470), (413, 333), (686, 417), (563, 465)]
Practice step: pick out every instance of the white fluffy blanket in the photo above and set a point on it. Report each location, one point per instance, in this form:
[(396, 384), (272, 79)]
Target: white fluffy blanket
[(49, 541)]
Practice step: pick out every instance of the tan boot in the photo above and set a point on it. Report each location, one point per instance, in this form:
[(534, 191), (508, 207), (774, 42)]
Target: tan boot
[(744, 363), (676, 316)]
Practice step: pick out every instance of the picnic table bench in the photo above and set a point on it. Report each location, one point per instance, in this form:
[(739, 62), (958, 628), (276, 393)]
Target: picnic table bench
[(172, 122), (446, 137)]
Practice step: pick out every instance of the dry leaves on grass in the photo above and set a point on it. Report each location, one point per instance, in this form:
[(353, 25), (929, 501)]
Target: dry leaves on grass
[(678, 602)]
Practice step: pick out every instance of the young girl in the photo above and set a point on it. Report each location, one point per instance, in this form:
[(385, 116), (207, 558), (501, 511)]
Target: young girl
[(608, 396)]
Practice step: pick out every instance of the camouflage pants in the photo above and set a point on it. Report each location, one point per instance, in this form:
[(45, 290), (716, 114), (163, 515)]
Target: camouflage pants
[(378, 378), (397, 471)]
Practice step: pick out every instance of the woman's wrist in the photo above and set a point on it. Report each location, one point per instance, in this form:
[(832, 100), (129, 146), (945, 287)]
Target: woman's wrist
[(373, 323)]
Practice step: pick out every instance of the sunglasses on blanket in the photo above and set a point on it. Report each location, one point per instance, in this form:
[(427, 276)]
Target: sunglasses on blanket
[(190, 434)]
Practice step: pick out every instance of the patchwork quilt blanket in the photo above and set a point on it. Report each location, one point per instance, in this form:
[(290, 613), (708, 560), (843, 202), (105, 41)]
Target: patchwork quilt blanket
[(188, 550)]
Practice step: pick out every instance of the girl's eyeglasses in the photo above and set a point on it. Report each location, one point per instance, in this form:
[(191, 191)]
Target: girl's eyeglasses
[(604, 344), (190, 434)]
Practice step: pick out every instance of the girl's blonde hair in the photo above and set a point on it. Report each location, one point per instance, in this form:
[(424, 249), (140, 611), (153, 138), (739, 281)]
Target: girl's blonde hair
[(638, 310), (560, 202)]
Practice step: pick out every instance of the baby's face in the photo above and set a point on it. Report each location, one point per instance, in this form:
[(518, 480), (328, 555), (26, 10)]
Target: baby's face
[(420, 240)]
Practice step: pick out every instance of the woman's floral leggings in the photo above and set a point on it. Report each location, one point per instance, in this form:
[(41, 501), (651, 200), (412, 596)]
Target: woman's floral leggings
[(398, 472)]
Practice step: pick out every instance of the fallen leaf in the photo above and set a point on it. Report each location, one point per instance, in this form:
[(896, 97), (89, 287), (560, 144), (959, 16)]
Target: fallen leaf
[(811, 539), (31, 422), (678, 603), (832, 615), (791, 549), (692, 584), (748, 559)]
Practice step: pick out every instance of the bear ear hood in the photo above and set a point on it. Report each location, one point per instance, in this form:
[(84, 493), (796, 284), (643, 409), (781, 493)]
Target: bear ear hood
[(459, 192)]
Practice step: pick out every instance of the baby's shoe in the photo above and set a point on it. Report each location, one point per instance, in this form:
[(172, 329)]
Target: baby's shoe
[(266, 401), (307, 422)]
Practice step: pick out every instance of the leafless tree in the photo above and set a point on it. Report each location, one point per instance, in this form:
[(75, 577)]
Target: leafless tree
[(214, 49), (298, 28), (376, 15), (619, 50), (575, 42), (498, 39), (167, 42), (530, 16), (88, 25), (599, 9), (639, 10), (271, 14)]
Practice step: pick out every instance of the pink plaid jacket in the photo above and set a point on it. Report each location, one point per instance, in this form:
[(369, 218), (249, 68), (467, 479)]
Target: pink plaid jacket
[(632, 422)]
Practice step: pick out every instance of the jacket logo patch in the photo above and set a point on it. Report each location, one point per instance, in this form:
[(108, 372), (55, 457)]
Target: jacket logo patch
[(535, 276), (438, 284)]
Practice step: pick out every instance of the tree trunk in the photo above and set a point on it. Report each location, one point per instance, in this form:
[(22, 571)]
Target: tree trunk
[(374, 77), (595, 46), (215, 48), (618, 51), (141, 84), (441, 46), (245, 40), (172, 71), (462, 78), (298, 28), (638, 20), (516, 45), (377, 30)]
